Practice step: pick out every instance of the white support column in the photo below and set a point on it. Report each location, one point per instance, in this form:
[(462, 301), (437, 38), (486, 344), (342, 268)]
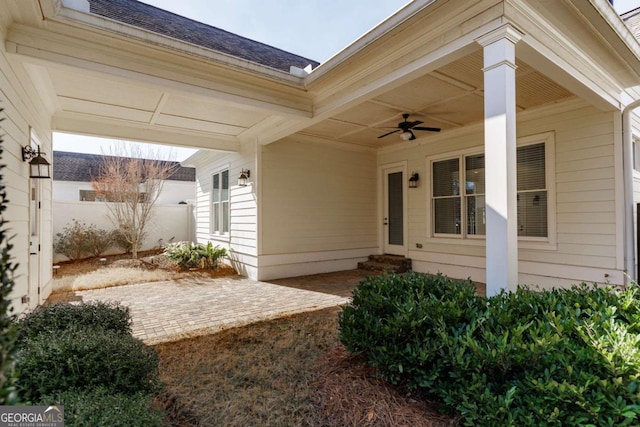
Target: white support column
[(500, 158)]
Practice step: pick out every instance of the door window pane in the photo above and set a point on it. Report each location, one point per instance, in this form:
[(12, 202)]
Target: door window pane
[(396, 226)]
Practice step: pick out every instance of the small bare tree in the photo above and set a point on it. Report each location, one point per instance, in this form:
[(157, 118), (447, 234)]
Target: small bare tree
[(130, 181)]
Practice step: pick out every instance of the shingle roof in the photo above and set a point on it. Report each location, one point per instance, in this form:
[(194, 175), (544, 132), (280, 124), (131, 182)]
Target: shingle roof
[(632, 19), (83, 167), (163, 22)]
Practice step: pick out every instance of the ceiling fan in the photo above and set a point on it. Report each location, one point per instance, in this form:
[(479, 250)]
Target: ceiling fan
[(407, 128)]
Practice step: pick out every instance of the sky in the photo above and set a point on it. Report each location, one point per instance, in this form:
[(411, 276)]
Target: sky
[(315, 29)]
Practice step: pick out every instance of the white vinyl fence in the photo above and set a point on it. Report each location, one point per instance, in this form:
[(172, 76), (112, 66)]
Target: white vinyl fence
[(169, 223)]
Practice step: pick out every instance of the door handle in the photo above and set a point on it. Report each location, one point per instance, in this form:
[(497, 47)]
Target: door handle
[(386, 222)]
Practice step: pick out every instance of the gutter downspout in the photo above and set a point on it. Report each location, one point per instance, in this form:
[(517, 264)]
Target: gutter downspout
[(627, 168)]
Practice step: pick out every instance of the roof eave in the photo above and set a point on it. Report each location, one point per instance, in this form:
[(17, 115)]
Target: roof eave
[(632, 45), (74, 17), (410, 9)]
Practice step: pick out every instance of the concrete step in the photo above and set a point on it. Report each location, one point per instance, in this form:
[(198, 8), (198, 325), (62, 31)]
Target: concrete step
[(391, 259), (382, 266)]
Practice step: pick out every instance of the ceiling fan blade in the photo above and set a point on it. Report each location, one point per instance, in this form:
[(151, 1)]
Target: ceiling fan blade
[(416, 123), (425, 128), (389, 133)]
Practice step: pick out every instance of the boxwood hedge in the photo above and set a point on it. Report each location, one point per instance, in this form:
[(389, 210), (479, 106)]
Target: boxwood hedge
[(555, 358), (84, 357), (100, 407)]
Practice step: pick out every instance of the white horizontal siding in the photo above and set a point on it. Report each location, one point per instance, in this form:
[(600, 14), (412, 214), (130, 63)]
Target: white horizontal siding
[(317, 197), (242, 239), (23, 110), (585, 197)]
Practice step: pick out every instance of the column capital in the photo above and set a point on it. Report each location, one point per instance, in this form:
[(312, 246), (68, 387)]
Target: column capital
[(507, 31)]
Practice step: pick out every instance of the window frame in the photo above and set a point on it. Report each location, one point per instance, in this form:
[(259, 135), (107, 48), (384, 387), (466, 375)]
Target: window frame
[(543, 243), (217, 206)]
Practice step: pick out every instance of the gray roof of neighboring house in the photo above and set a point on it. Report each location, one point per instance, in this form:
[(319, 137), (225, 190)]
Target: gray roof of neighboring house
[(83, 167), (632, 19), (169, 24)]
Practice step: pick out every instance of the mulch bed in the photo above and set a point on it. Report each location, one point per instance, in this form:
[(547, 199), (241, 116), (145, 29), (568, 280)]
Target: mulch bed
[(350, 394)]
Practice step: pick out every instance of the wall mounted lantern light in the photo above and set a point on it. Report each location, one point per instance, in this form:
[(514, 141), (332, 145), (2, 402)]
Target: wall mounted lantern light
[(413, 180), (38, 165), (244, 176)]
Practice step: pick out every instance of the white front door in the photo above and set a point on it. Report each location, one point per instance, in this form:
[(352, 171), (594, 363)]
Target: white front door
[(34, 243), (394, 211)]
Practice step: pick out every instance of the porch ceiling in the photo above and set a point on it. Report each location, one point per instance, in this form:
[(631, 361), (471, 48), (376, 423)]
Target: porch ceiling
[(78, 96), (449, 97)]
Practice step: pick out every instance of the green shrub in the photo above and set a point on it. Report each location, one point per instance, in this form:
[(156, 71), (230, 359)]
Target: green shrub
[(397, 322), (79, 240), (85, 358), (190, 255), (59, 317), (553, 358), (100, 408)]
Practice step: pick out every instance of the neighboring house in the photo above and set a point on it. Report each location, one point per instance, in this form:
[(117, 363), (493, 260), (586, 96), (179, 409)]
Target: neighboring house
[(75, 199), (73, 173), (529, 181)]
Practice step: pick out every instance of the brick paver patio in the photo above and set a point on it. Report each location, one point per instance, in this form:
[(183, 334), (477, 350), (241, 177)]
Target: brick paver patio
[(172, 310)]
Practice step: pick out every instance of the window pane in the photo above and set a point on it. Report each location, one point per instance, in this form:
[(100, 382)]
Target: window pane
[(215, 193), (476, 219), (447, 215), (225, 186), (225, 217), (531, 168), (532, 214), (474, 171), (446, 178), (87, 196), (216, 217)]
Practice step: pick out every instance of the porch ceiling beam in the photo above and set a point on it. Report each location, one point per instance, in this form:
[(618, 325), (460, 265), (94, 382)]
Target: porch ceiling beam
[(112, 128), (151, 66)]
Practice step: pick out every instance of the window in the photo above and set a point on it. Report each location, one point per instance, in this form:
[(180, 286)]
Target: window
[(92, 196), (220, 203), (450, 198)]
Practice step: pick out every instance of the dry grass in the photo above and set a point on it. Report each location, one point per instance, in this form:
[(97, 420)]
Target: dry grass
[(118, 270), (106, 277), (285, 372)]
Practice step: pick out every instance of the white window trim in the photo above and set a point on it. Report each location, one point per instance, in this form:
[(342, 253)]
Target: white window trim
[(214, 235), (524, 242)]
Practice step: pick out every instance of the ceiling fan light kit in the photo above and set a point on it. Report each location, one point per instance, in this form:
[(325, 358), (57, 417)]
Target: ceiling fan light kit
[(407, 128), (406, 136)]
